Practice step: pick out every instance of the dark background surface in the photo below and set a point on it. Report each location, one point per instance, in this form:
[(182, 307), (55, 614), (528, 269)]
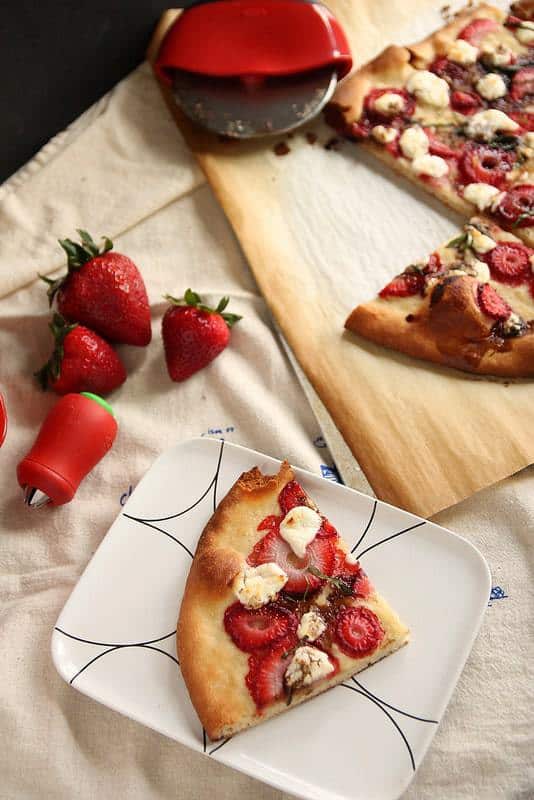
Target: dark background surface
[(57, 57)]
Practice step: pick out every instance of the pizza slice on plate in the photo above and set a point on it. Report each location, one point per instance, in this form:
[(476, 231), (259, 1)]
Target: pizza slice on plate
[(470, 305), (275, 609), (455, 113)]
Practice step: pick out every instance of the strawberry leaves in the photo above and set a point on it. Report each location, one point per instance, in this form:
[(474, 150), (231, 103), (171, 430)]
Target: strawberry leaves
[(194, 300), (51, 370), (78, 254)]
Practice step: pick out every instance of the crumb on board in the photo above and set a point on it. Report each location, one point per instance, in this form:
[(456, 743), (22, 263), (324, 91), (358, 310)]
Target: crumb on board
[(281, 149), (334, 143), (311, 137)]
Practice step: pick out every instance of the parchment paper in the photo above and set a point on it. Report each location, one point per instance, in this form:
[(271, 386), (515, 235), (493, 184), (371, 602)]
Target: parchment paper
[(324, 230)]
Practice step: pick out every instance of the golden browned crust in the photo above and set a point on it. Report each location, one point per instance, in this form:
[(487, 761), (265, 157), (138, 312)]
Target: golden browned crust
[(392, 68), (437, 43), (450, 331), (213, 668)]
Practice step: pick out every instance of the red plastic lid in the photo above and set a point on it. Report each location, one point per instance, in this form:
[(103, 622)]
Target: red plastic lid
[(232, 38)]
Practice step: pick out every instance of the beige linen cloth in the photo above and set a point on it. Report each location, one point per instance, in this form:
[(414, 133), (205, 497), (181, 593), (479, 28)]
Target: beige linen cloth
[(123, 170)]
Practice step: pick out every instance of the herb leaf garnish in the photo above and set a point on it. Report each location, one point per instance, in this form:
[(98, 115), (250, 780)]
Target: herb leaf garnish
[(339, 583), (522, 217), (461, 242)]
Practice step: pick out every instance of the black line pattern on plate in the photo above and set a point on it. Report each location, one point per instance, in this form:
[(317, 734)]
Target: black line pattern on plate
[(116, 644), (148, 644), (149, 522), (218, 747), (388, 715), (388, 538), (213, 483), (165, 533), (369, 523), (393, 708)]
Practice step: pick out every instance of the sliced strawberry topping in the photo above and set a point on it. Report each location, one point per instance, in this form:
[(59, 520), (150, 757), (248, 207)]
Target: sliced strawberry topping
[(319, 554), (292, 495), (251, 629), (327, 530), (492, 303), (439, 148), (404, 285), (517, 207), (481, 163), (465, 102), (358, 631), (477, 30), (270, 523), (370, 104), (509, 262), (265, 677), (394, 148), (433, 264), (523, 118), (353, 575), (450, 71), (358, 130), (522, 84)]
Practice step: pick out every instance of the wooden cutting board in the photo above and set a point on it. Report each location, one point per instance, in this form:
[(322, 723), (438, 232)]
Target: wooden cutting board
[(322, 231)]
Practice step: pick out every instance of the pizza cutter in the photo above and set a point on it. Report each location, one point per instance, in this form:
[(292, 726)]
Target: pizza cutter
[(248, 68)]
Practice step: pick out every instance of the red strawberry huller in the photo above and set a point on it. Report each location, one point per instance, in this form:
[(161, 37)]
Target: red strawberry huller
[(252, 67)]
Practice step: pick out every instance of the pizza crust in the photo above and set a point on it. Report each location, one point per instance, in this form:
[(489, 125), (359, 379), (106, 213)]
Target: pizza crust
[(437, 44), (392, 68), (213, 668), (449, 340)]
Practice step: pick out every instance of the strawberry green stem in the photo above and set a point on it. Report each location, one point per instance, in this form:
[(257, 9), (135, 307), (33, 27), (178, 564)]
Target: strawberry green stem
[(194, 300), (78, 254)]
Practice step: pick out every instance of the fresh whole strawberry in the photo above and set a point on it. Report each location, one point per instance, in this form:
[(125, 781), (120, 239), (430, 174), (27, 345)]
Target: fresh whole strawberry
[(194, 334), (81, 362), (103, 290)]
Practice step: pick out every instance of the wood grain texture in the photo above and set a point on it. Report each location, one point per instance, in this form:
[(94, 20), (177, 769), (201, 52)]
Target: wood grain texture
[(426, 436)]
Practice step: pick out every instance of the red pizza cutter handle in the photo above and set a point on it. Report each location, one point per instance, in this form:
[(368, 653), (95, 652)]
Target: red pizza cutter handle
[(238, 38)]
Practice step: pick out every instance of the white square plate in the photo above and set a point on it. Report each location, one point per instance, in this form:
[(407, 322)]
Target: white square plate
[(363, 740)]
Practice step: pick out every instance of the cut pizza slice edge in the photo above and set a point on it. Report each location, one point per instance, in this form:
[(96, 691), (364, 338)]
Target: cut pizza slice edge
[(454, 114), (275, 610), (470, 305)]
